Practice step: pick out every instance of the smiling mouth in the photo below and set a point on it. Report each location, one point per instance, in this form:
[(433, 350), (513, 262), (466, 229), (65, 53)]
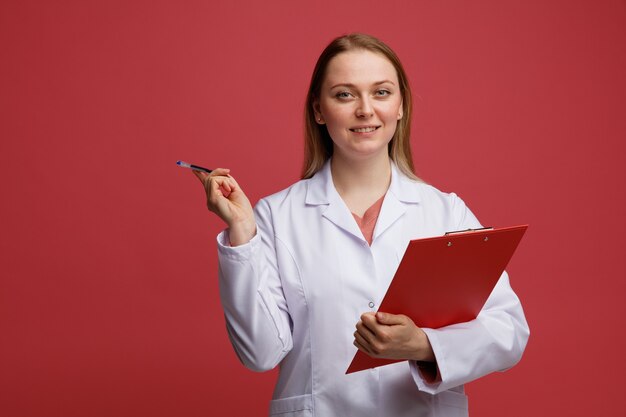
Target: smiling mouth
[(365, 129)]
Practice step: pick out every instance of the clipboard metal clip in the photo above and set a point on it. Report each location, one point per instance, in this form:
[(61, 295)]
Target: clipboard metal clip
[(468, 230)]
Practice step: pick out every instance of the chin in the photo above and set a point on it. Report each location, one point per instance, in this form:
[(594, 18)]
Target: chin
[(367, 153)]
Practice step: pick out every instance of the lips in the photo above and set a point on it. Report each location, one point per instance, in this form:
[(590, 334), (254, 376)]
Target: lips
[(364, 129)]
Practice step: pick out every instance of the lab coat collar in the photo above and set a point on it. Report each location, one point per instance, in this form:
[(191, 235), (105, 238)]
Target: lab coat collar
[(321, 191)]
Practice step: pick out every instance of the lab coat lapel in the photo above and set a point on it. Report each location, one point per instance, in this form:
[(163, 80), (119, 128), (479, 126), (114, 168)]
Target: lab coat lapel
[(391, 210), (338, 213), (321, 191), (402, 191)]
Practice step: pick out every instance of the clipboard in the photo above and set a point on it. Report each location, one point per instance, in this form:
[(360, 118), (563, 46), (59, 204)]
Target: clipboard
[(446, 280)]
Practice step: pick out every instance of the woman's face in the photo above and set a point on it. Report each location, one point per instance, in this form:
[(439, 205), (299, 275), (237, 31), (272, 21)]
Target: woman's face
[(360, 102)]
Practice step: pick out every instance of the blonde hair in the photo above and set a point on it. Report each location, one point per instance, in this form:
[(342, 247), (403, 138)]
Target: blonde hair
[(318, 145)]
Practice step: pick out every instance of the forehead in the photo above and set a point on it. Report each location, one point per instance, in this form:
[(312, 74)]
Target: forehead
[(359, 67)]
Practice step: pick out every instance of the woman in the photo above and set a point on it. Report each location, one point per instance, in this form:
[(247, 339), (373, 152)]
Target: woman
[(301, 276)]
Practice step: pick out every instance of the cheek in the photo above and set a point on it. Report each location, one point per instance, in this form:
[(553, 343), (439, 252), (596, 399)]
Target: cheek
[(335, 130), (391, 112), (336, 117)]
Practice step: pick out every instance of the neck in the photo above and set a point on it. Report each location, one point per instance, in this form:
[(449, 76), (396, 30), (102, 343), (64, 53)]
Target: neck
[(368, 177)]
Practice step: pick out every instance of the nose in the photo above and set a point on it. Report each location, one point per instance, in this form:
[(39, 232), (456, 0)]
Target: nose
[(364, 108)]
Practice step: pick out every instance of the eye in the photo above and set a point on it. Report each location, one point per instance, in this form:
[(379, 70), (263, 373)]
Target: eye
[(382, 93), (343, 95)]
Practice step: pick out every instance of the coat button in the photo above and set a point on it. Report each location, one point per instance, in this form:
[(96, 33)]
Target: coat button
[(371, 304)]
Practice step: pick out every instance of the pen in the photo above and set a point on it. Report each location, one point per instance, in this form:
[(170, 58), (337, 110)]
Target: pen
[(191, 166)]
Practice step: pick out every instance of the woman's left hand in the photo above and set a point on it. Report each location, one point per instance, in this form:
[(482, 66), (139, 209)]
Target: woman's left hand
[(392, 336)]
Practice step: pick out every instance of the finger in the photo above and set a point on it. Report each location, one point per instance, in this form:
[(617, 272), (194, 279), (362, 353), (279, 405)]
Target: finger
[(232, 186), (363, 348), (219, 191), (217, 199), (233, 182), (365, 333), (225, 185), (220, 172), (217, 172), (202, 176), (222, 181), (358, 337), (370, 322), (390, 319), (226, 191)]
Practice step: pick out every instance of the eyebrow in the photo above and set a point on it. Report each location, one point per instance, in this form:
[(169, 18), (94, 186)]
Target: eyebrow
[(352, 85)]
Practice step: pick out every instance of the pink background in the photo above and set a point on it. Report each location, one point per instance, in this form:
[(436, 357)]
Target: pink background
[(108, 289)]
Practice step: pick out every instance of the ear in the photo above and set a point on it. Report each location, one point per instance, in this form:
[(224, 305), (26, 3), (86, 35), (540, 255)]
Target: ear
[(317, 112), (401, 111)]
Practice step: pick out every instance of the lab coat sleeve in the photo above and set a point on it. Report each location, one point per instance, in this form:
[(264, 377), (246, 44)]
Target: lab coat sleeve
[(257, 317), (494, 341)]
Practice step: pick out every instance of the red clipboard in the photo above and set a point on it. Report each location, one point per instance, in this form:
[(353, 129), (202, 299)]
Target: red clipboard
[(446, 280)]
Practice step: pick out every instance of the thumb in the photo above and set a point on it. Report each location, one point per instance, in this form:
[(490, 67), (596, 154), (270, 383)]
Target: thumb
[(389, 319)]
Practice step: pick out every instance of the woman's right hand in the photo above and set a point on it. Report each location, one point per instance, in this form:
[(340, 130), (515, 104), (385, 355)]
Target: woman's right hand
[(226, 199)]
